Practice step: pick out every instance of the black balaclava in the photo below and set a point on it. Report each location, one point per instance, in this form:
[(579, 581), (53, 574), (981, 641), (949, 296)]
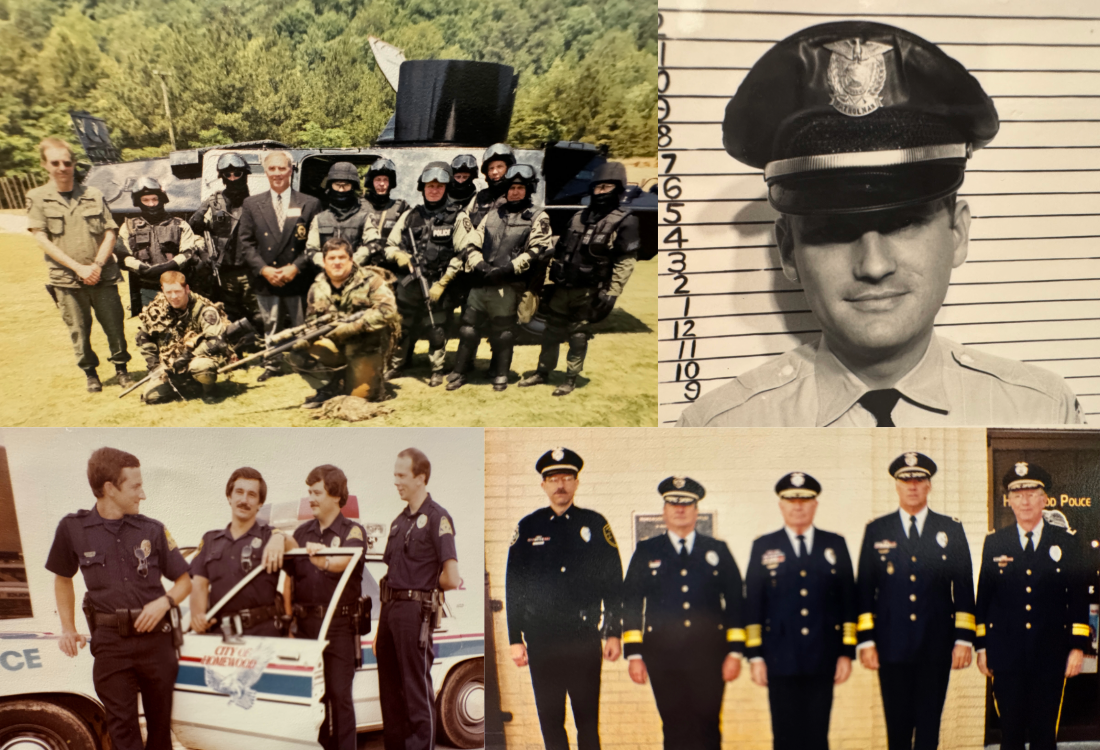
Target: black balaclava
[(462, 191), (154, 214), (236, 190)]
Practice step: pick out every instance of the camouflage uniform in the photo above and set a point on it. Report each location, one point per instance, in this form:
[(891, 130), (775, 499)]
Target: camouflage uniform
[(358, 350), (194, 334)]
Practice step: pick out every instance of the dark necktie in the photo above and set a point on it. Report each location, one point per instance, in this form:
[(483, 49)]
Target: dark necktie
[(1029, 548), (801, 547), (683, 550), (880, 404), (914, 535)]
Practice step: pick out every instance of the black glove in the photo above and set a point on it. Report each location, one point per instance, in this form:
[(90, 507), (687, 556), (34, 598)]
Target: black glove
[(498, 274), (482, 270), (602, 306), (153, 272)]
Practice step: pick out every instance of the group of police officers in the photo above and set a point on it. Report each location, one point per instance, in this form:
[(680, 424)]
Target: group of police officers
[(685, 620), (135, 626), (486, 253)]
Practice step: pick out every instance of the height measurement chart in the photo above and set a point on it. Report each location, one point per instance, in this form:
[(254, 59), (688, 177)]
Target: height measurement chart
[(1030, 287)]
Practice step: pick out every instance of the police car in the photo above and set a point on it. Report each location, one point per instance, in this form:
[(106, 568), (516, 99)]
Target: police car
[(249, 689)]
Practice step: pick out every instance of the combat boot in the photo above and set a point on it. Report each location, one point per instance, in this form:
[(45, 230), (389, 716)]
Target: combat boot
[(124, 378), (322, 395), (538, 378), (436, 379), (94, 386), (566, 387), (457, 380)]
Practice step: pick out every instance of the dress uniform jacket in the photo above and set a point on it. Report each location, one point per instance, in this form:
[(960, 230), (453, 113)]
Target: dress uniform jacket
[(801, 619), (915, 598)]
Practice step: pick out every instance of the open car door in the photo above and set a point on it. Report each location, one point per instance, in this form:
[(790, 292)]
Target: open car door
[(253, 690)]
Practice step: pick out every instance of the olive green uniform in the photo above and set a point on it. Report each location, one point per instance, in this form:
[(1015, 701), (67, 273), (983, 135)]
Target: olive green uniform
[(77, 226), (195, 334)]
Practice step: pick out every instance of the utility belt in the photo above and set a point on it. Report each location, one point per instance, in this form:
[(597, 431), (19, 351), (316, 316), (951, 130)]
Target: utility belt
[(431, 606), (305, 611), (123, 621), (357, 612), (243, 619)]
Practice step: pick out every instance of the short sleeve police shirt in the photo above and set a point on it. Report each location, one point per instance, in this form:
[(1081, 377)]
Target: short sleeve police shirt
[(418, 546), (313, 585), (224, 561)]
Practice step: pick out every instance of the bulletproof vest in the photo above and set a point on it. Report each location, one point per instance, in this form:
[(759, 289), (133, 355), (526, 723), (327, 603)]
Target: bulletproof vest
[(434, 237), (350, 228), (384, 219), (484, 202), (506, 235), (585, 257), (154, 244), (223, 230)]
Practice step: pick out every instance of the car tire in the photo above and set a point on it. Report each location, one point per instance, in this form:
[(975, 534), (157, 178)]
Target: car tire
[(462, 705), (31, 723)]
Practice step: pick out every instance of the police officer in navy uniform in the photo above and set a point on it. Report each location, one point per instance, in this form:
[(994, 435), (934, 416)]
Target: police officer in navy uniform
[(1032, 613), (801, 603), (683, 620), (225, 556), (916, 605), (421, 562), (312, 582), (562, 564), (123, 555)]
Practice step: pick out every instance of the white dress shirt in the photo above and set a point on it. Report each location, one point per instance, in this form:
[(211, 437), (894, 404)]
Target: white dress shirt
[(793, 536)]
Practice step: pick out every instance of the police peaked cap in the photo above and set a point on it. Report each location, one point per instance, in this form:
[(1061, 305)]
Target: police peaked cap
[(559, 461), (610, 171), (1027, 476), (681, 491), (912, 465), (341, 171), (857, 116), (798, 485)]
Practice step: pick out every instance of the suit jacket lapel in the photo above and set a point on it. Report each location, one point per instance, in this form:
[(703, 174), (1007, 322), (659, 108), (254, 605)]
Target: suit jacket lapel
[(267, 211)]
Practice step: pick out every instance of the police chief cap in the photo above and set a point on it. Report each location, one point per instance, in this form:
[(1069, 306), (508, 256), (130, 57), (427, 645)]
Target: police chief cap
[(559, 461), (857, 116), (1027, 476), (681, 490), (798, 485), (912, 465)]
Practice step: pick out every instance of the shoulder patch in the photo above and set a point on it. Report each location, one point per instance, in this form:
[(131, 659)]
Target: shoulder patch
[(544, 223), (609, 536), (445, 526), (515, 537), (210, 316), (355, 533), (171, 542)]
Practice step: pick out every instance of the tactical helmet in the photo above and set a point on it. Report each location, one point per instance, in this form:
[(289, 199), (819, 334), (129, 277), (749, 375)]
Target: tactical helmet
[(609, 171), (146, 186), (437, 171), (523, 174), (341, 171), (232, 161), (381, 167), (497, 152), (464, 163)]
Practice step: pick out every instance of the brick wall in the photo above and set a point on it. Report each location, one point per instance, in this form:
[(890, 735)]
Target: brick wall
[(739, 468)]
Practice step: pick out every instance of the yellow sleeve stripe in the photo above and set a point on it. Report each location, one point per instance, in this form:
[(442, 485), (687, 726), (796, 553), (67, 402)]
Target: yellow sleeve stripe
[(735, 635), (1079, 629), (752, 637), (632, 636), (849, 635), (964, 620), (866, 622), (849, 640), (980, 630)]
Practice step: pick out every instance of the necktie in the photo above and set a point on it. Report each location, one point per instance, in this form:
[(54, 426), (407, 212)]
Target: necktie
[(1029, 548), (801, 547), (683, 550), (880, 404), (914, 535), (280, 210)]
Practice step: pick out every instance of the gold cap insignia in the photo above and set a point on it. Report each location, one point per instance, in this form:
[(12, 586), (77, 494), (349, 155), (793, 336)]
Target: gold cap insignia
[(910, 459), (1021, 468), (678, 482), (798, 479), (856, 76), (558, 454)]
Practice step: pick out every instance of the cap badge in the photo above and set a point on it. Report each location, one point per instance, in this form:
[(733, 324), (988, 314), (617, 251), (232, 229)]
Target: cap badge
[(1055, 553), (711, 557), (910, 459), (678, 482), (798, 479), (1021, 468), (558, 454), (586, 533), (856, 76), (941, 539)]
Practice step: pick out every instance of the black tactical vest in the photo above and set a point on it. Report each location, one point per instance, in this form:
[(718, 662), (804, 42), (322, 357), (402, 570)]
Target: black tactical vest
[(350, 229), (154, 244), (434, 235), (383, 219), (586, 256), (506, 235), (484, 202), (224, 220)]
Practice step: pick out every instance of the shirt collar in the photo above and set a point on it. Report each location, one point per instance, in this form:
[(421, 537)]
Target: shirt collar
[(838, 389), (94, 519), (793, 536), (921, 518), (553, 515), (690, 539), (1036, 534)]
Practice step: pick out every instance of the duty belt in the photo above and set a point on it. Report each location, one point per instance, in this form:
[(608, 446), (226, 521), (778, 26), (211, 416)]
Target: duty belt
[(410, 595), (250, 617), (123, 619), (318, 610)]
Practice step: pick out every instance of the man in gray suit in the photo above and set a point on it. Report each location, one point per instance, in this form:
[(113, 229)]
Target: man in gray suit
[(272, 235)]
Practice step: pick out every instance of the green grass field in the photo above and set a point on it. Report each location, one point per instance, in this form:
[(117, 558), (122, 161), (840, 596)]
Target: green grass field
[(42, 386)]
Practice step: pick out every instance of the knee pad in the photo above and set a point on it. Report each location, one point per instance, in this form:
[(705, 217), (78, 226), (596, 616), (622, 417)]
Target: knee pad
[(468, 333), (507, 338), (437, 338), (578, 341), (471, 317)]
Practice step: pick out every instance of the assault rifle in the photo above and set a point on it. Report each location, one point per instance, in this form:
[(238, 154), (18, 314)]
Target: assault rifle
[(417, 269), (282, 341)]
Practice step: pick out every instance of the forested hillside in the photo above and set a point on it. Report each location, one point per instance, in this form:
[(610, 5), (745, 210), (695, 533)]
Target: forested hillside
[(301, 71)]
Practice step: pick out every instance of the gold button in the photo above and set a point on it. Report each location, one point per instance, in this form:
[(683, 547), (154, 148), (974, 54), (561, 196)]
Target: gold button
[(1029, 572), (804, 592), (650, 629), (684, 572), (802, 573), (912, 597), (913, 618), (914, 558), (684, 589), (1028, 626), (805, 612), (1029, 589), (687, 623), (912, 578), (1027, 607), (562, 568), (805, 631), (687, 605)]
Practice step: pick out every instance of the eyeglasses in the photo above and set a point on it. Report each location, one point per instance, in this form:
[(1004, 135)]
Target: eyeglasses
[(65, 164), (523, 171), (143, 562), (246, 558)]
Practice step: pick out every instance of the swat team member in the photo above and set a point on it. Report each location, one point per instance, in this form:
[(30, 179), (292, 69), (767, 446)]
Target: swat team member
[(432, 224), (1032, 613), (592, 262), (421, 563), (801, 600), (462, 188), (185, 332), (495, 163), (507, 244), (133, 623), (916, 602), (225, 556), (382, 212), (73, 226), (683, 620), (562, 564), (863, 131), (220, 215), (312, 582), (345, 214), (154, 242)]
